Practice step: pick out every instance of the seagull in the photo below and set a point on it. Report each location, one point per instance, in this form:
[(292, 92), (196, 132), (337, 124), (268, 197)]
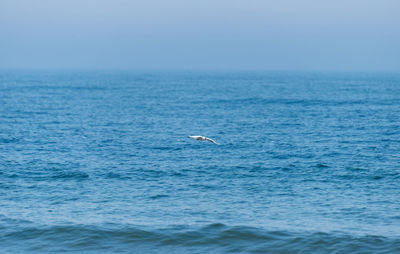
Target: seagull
[(201, 138)]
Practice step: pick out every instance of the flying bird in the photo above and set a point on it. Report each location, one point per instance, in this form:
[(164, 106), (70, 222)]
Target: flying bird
[(201, 138)]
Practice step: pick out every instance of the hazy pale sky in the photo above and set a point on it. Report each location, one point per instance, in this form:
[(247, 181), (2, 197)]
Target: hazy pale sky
[(186, 34)]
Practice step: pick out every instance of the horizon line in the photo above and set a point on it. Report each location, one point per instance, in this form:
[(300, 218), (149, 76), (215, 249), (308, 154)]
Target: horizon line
[(80, 69)]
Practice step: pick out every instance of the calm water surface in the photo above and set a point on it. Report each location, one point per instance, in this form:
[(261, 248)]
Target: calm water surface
[(101, 162)]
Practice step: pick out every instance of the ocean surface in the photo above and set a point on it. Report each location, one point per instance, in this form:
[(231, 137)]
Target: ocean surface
[(101, 162)]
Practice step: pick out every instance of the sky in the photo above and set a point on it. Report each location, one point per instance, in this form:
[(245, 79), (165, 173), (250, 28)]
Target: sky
[(343, 35)]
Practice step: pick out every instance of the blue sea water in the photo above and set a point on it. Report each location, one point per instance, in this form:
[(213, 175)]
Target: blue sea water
[(101, 162)]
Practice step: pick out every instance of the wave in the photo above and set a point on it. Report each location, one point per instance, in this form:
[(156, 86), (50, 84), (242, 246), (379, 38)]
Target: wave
[(303, 102), (8, 140), (216, 238), (70, 175)]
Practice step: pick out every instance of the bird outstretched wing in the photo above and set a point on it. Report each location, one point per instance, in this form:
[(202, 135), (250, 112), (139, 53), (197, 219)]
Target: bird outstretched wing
[(212, 141)]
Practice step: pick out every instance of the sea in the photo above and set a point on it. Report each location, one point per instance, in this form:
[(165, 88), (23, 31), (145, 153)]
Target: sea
[(102, 162)]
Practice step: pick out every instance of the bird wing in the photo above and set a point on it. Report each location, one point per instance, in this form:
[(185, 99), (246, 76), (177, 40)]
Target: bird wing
[(212, 141), (195, 137)]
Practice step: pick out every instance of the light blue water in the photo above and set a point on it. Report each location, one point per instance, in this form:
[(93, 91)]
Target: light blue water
[(101, 162)]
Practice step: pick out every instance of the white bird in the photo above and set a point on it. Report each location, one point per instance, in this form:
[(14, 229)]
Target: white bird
[(201, 138)]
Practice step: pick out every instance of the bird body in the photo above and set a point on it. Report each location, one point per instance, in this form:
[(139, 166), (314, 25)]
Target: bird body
[(202, 138)]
